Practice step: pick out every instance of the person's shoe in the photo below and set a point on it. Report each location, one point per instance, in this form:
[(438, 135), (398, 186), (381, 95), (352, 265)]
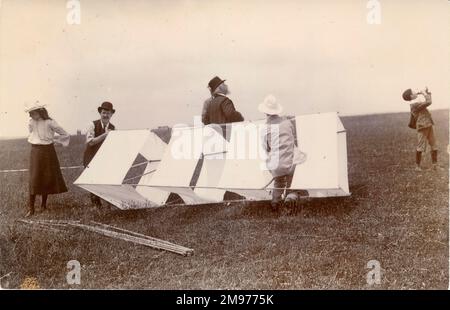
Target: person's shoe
[(292, 197), (418, 168)]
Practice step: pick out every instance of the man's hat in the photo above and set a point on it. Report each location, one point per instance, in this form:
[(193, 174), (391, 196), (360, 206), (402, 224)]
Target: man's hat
[(270, 106), (215, 82), (106, 106)]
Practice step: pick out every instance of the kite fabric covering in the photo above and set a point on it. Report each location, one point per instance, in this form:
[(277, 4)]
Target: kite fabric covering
[(200, 165), (114, 158), (105, 174), (323, 139)]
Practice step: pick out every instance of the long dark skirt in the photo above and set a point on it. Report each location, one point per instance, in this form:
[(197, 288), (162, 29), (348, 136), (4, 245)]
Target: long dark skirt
[(45, 173)]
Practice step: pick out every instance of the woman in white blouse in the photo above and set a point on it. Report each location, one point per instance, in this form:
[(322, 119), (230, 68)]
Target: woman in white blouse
[(45, 173)]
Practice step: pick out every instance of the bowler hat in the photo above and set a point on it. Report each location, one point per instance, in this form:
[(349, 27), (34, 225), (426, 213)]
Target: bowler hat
[(215, 82), (106, 106)]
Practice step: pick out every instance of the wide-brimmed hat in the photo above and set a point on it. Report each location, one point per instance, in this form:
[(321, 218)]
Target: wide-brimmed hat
[(215, 82), (106, 106), (270, 106), (36, 105)]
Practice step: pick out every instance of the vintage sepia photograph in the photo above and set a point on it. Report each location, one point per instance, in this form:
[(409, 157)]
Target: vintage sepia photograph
[(224, 145)]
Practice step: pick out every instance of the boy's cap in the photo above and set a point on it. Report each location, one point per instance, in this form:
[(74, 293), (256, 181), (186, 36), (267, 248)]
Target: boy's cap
[(407, 94)]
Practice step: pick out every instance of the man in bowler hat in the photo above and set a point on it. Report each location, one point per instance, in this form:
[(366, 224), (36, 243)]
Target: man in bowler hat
[(219, 109), (95, 135)]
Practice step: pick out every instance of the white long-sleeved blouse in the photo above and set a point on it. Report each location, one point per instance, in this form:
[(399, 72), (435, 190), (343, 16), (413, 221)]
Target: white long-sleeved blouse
[(43, 132)]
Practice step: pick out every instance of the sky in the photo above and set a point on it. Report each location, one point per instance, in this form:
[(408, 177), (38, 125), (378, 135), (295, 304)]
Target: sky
[(153, 59)]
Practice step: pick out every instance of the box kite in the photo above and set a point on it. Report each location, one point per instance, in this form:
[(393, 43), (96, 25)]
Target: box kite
[(137, 169)]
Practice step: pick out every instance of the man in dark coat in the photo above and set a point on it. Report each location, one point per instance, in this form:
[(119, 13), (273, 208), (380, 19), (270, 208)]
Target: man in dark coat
[(95, 135), (219, 109)]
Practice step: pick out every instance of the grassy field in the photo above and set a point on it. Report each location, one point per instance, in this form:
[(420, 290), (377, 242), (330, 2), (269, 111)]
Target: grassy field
[(395, 215)]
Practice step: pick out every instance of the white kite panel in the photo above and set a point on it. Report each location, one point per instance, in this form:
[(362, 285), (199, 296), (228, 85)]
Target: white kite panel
[(208, 182), (317, 137), (122, 196), (254, 194), (153, 148), (155, 195), (191, 198), (323, 193), (176, 170), (178, 163), (340, 126), (342, 154), (214, 151), (114, 158), (213, 141), (244, 167), (186, 193)]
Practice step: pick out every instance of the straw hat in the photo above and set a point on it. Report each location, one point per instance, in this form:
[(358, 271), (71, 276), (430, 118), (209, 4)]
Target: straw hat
[(36, 105), (270, 106)]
